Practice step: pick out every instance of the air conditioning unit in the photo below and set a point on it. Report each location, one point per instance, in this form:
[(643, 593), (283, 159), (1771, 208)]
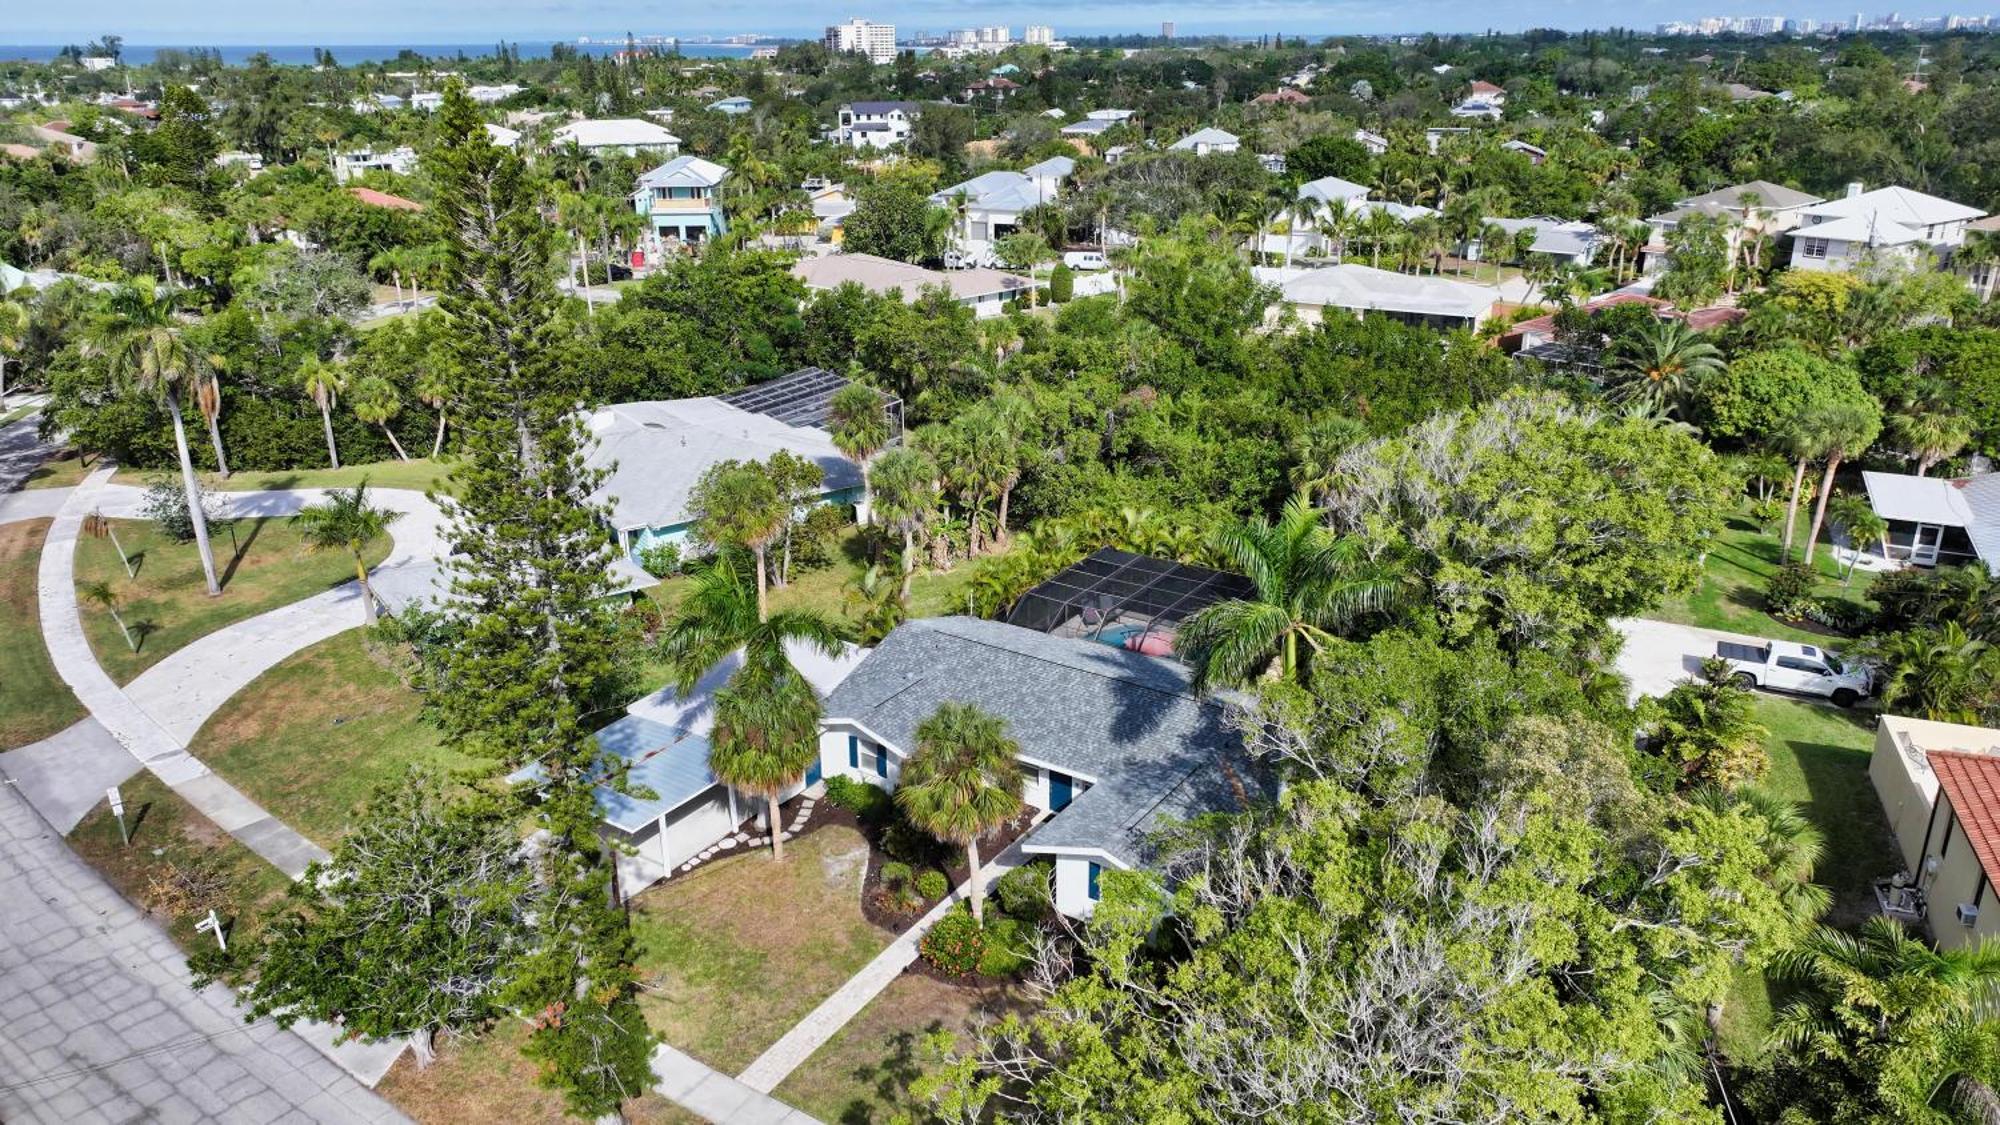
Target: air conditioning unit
[(1967, 914)]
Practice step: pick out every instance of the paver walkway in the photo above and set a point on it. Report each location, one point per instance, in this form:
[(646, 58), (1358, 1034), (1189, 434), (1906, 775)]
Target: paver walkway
[(97, 1023), (822, 1023)]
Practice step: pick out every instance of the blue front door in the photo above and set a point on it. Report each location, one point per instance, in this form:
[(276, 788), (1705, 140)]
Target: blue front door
[(813, 774), (1061, 790)]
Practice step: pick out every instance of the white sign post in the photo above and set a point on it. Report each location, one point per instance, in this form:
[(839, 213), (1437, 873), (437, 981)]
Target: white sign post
[(213, 925), (118, 810)]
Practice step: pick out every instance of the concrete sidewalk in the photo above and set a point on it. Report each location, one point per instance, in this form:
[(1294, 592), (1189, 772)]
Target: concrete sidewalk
[(65, 775), (693, 1085), (821, 1024), (98, 1023)]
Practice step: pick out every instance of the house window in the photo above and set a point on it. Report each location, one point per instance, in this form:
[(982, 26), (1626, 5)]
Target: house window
[(1095, 871), (853, 752), (1812, 248), (980, 231), (866, 756)]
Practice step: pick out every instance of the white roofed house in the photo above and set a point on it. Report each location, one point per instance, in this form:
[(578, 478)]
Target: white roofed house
[(987, 292), (352, 165), (876, 124), (1890, 222), (1356, 290), (1936, 520), (1315, 198), (1572, 243), (628, 135), (655, 452), (1757, 208), (988, 207), (682, 200), (1207, 142)]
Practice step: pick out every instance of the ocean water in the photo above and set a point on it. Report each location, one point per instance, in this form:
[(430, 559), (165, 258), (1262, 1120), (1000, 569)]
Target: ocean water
[(301, 54)]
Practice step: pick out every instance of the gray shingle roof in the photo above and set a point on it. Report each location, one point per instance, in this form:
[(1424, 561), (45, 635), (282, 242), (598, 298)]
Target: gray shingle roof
[(1126, 722)]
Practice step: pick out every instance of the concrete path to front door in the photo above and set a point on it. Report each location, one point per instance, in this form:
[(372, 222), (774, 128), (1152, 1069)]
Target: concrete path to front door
[(822, 1023)]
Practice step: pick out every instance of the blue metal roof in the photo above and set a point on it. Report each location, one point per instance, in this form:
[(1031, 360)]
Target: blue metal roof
[(669, 762)]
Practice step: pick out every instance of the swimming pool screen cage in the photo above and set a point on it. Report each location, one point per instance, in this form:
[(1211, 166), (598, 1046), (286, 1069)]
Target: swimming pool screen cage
[(805, 398), (1113, 586)]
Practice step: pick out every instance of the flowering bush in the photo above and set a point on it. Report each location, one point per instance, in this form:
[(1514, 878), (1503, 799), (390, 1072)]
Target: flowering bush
[(932, 885), (956, 944)]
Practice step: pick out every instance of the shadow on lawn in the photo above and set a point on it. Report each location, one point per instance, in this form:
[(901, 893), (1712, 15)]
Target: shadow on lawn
[(891, 1078), (241, 549), (1842, 802)]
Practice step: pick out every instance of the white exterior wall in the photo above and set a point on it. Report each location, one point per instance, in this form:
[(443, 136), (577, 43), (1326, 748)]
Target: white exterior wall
[(1073, 886), (833, 757)]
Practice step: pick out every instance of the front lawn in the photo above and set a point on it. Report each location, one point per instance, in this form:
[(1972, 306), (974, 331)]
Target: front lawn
[(260, 563), (312, 738), (416, 475), (737, 951), (34, 702), (179, 864), (1739, 563), (64, 469), (486, 1079), (931, 594), (864, 1073)]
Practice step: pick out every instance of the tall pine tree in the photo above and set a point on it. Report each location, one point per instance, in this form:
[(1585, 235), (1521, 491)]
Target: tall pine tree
[(533, 659)]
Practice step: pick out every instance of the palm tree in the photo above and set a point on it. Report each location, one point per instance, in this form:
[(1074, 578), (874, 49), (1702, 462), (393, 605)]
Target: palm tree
[(1849, 428), (765, 737), (1380, 230), (963, 781), (143, 341), (347, 520), (1803, 440), (1910, 1020), (376, 402), (1855, 516), (1662, 365), (208, 400), (859, 423), (434, 390), (100, 593), (905, 483), (324, 382), (739, 505), (875, 604), (14, 322), (1930, 436), (719, 615), (1942, 674), (1308, 582), (1317, 448)]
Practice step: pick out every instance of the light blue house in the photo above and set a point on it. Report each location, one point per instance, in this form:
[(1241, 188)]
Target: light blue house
[(655, 452), (682, 200), (732, 106)]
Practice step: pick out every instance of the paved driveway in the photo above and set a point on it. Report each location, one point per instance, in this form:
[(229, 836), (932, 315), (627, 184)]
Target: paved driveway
[(1659, 654), (97, 1023)]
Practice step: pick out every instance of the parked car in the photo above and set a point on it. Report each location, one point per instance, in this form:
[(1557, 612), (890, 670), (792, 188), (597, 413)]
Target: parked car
[(1800, 669), (1085, 260)]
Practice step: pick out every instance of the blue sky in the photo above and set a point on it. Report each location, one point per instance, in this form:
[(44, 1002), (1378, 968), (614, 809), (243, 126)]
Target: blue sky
[(483, 21)]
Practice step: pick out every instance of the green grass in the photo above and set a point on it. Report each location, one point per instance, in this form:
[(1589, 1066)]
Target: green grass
[(931, 594), (864, 1073), (1819, 759), (261, 565), (170, 836), (34, 702), (65, 469), (737, 951), (416, 475), (487, 1079), (1731, 594), (312, 738)]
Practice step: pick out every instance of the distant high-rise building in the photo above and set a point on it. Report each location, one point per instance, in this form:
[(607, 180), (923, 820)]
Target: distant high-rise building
[(1857, 21), (861, 37), (1039, 34), (1166, 29)]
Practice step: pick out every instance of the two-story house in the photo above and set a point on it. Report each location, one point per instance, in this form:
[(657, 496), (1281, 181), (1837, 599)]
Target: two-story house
[(1889, 222), (876, 125), (987, 207), (1754, 209), (681, 200)]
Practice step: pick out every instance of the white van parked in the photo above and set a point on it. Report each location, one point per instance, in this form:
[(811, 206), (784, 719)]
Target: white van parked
[(1086, 260)]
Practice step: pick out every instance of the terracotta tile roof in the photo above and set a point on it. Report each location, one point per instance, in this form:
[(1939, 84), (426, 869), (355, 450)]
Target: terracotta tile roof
[(1701, 320), (375, 198), (1972, 783)]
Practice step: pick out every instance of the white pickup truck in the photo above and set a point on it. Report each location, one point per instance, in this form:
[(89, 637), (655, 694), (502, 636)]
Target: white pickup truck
[(1800, 669)]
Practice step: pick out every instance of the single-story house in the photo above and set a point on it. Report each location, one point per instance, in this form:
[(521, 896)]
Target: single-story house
[(1891, 221), (1357, 290), (1206, 142), (1284, 96), (654, 452), (628, 135), (400, 161), (731, 105), (1327, 189), (1114, 743), (985, 291), (1375, 143), (1476, 107), (1939, 784), (1573, 242), (502, 136), (1937, 520), (1536, 154), (384, 200)]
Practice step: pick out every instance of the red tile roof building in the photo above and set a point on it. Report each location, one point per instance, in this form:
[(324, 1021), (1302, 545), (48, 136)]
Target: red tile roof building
[(375, 198)]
